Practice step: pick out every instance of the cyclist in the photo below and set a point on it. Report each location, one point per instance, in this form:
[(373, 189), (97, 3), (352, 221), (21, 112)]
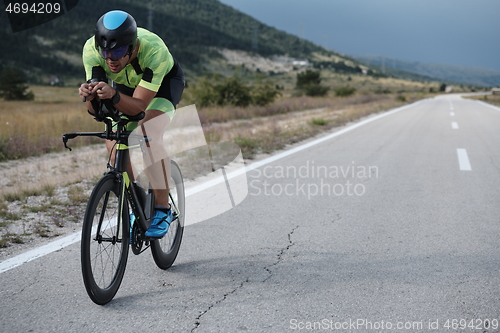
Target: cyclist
[(145, 78)]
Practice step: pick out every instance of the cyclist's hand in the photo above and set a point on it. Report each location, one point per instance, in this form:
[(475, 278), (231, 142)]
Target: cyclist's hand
[(104, 90), (85, 91)]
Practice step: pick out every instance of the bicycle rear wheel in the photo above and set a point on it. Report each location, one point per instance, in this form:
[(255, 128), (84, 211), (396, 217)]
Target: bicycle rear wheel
[(105, 235), (165, 250)]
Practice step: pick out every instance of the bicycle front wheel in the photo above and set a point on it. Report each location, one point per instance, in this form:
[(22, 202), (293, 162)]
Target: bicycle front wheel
[(165, 249), (104, 247)]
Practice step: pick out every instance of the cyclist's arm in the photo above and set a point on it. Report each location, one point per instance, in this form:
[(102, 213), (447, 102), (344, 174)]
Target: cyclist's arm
[(129, 105), (85, 92), (91, 58)]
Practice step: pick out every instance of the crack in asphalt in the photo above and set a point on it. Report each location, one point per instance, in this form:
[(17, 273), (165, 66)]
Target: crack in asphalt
[(280, 254), (197, 322), (338, 217)]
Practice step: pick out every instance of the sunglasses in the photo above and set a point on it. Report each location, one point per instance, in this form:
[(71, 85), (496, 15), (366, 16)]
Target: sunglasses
[(115, 54)]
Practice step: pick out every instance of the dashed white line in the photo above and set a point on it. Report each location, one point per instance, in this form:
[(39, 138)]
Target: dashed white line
[(452, 114), (454, 125), (463, 160)]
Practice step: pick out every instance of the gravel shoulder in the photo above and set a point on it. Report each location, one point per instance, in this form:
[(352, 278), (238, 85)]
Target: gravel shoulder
[(45, 196)]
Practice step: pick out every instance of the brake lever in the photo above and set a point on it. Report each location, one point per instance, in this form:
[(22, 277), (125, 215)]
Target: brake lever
[(67, 137)]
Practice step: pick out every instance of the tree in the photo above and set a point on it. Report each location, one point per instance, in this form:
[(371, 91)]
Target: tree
[(217, 89), (263, 92), (233, 91), (310, 83), (307, 78), (13, 85), (345, 91)]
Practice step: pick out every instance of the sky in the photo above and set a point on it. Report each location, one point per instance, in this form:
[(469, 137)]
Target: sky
[(457, 32)]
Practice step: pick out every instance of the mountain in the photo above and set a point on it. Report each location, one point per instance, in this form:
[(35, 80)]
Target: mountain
[(428, 71), (196, 31)]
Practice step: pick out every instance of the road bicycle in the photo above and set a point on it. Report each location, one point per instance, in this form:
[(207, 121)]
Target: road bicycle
[(107, 228)]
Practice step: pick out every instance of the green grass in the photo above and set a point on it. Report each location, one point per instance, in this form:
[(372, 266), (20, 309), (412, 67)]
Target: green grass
[(49, 190), (345, 91), (247, 145), (9, 238), (3, 207), (4, 242), (16, 239), (39, 209), (319, 122), (6, 215), (11, 197), (9, 216), (42, 230), (4, 224)]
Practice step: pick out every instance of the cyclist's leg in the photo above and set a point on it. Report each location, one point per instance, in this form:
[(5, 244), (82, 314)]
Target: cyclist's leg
[(155, 155), (166, 100)]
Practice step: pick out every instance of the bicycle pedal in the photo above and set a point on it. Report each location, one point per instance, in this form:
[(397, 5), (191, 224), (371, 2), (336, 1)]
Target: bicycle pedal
[(153, 238)]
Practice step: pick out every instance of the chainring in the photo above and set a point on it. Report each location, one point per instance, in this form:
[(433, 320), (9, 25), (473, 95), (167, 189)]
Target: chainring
[(137, 239)]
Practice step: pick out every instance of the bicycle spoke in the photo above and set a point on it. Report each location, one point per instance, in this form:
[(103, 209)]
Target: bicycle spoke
[(104, 242), (104, 205)]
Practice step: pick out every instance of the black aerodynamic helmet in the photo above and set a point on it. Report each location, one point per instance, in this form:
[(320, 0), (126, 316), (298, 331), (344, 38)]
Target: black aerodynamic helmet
[(115, 34)]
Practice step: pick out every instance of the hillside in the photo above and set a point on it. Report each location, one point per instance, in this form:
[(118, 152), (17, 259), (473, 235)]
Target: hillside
[(428, 71), (195, 31)]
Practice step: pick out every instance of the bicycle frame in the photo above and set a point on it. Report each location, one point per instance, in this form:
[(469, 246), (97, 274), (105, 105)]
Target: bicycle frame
[(119, 170), (128, 192)]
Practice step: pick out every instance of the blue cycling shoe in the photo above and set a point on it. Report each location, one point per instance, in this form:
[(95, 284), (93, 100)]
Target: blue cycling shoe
[(132, 220), (159, 225)]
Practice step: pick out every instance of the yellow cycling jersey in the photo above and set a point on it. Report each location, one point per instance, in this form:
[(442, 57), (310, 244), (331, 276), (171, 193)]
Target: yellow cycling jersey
[(148, 69)]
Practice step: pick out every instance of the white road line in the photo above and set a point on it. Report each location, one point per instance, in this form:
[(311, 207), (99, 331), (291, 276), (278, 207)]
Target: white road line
[(488, 105), (454, 125), (463, 160), (452, 114), (39, 252), (73, 238)]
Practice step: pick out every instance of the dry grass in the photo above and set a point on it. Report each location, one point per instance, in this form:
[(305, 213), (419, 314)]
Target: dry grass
[(492, 99), (36, 128), (286, 105)]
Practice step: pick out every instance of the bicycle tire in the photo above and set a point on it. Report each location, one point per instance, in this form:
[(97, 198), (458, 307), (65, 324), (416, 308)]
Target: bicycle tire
[(104, 249), (165, 250)]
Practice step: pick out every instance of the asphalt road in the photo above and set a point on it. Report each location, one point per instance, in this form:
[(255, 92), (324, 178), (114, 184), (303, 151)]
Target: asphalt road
[(393, 226)]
